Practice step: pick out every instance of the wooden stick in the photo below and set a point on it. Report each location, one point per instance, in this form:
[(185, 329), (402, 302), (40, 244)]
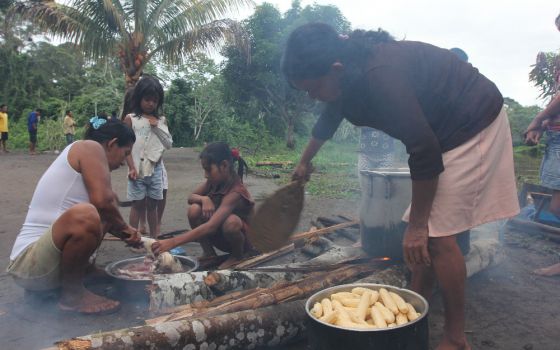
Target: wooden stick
[(322, 231), (257, 260), (266, 163)]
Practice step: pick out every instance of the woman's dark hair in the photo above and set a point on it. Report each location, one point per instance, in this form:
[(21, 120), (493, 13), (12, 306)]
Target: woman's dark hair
[(102, 129), (312, 48), (68, 111), (217, 152), (147, 86)]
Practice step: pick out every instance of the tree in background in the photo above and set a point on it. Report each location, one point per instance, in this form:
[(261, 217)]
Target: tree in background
[(136, 31), (258, 89), (546, 74)]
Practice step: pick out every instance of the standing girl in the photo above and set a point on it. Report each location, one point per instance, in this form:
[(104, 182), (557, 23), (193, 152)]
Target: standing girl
[(219, 207), (145, 184)]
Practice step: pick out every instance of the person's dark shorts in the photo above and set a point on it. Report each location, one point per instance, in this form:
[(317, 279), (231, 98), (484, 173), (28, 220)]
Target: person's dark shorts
[(4, 136), (33, 136)]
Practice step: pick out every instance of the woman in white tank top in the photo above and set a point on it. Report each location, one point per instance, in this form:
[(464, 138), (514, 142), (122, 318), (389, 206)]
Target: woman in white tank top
[(72, 207)]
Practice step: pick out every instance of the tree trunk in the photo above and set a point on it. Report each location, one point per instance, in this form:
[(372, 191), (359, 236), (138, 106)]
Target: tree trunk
[(290, 142)]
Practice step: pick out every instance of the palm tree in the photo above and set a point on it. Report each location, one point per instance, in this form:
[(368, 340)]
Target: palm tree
[(137, 30)]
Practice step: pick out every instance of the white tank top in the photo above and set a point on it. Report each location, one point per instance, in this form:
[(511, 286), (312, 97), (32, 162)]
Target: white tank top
[(60, 188)]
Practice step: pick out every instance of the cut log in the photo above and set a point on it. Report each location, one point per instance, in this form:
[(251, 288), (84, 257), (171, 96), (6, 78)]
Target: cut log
[(269, 326), (265, 327), (176, 289), (280, 293)]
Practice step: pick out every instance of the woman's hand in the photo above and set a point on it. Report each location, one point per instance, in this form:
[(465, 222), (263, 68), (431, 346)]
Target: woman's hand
[(132, 174), (163, 245), (208, 208), (415, 247), (533, 133), (302, 172), (134, 236)]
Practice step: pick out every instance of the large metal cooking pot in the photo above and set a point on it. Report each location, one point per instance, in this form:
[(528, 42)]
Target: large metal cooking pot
[(129, 288), (410, 336)]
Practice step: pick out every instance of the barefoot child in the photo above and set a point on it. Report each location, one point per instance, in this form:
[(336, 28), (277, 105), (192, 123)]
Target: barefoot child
[(219, 208), (145, 184)]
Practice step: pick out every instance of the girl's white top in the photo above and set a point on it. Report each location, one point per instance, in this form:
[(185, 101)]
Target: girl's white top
[(150, 144)]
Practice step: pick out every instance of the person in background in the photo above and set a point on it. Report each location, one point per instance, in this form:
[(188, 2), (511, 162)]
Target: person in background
[(72, 208), (113, 115), (445, 112), (219, 207), (145, 185), (549, 121), (69, 127), (32, 125), (4, 127)]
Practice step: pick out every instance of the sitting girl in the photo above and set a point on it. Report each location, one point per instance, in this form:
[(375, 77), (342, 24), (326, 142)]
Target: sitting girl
[(219, 208)]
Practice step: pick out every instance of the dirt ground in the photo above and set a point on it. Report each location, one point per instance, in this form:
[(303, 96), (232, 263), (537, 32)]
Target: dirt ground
[(507, 306)]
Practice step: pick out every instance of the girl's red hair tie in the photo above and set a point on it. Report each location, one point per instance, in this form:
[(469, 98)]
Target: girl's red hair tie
[(235, 153)]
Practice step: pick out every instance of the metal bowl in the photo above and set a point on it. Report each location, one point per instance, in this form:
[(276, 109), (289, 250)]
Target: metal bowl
[(136, 289), (412, 335), (189, 263)]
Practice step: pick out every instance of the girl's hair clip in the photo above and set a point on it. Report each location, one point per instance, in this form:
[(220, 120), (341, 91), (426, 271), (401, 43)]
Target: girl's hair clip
[(97, 122), (235, 153)]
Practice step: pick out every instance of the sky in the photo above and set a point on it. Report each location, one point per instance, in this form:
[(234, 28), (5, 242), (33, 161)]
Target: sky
[(501, 38)]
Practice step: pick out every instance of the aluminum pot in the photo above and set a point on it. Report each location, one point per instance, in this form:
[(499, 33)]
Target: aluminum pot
[(136, 289), (411, 336)]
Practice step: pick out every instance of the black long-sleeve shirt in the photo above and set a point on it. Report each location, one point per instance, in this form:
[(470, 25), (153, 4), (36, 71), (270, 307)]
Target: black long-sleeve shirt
[(420, 94)]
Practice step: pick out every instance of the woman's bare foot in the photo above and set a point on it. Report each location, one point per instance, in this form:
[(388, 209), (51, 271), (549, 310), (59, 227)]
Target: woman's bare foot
[(88, 303), (552, 270), (231, 261)]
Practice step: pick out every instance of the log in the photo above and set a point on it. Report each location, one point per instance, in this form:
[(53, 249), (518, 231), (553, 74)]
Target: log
[(280, 293), (171, 290), (317, 247), (269, 326), (266, 327), (168, 291)]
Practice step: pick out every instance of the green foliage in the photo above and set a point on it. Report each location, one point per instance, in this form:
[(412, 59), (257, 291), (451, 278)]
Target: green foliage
[(177, 102), (336, 168), (257, 90), (137, 31), (519, 118), (546, 73), (50, 136)]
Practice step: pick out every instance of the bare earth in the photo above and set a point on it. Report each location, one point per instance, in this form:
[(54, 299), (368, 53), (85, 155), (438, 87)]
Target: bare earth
[(507, 306)]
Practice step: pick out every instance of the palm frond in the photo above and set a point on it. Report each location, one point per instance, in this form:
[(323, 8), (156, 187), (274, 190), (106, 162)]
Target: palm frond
[(187, 15), (174, 51), (93, 31)]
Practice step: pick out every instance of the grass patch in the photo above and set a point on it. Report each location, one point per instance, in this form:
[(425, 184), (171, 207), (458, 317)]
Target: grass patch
[(335, 176)]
